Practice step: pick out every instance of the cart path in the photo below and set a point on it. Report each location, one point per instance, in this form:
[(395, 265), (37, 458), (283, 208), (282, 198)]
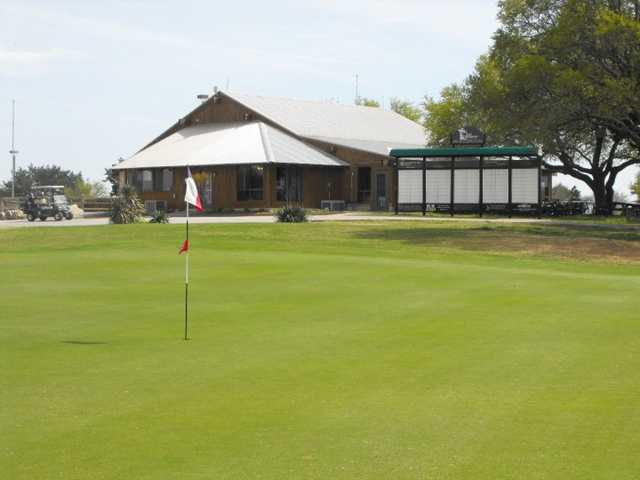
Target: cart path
[(338, 217)]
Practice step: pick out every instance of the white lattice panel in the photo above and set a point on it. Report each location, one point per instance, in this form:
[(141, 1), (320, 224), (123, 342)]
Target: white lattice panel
[(524, 185), (438, 186), (495, 186), (410, 186), (467, 186)]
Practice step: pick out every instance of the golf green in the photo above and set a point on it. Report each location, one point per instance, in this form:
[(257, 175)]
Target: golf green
[(326, 351)]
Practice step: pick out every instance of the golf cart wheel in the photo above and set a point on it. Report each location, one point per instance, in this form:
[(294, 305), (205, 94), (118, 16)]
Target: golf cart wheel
[(31, 217), (58, 216), (68, 215), (43, 218)]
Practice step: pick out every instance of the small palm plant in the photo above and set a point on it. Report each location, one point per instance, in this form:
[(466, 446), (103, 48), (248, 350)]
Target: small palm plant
[(127, 207), (291, 214), (159, 216)]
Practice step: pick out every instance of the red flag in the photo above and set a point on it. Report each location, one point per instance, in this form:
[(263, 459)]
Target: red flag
[(185, 247)]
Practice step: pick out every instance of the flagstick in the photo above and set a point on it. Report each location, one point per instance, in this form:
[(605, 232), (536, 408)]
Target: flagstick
[(186, 283)]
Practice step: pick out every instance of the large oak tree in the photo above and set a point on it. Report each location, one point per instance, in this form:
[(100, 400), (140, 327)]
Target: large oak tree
[(564, 75)]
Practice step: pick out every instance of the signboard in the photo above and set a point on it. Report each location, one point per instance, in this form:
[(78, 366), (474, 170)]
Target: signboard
[(468, 136)]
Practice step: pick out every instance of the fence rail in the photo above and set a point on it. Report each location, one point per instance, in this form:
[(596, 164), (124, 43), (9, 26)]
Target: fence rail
[(9, 203), (98, 204), (10, 209), (627, 209)]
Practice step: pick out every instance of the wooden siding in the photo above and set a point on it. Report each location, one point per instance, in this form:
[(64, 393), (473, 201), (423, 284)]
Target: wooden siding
[(315, 187), (356, 159), (218, 109)]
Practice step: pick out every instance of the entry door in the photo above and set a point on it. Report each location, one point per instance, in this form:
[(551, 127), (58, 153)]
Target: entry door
[(381, 191)]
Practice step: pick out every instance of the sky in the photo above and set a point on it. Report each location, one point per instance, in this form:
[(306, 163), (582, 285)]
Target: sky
[(94, 81)]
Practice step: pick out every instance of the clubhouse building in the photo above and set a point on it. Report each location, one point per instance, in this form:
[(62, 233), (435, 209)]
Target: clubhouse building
[(252, 152)]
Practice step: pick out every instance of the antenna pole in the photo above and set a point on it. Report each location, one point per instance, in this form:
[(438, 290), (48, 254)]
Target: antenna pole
[(13, 150)]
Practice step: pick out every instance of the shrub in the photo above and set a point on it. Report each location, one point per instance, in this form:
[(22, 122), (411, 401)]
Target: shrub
[(127, 207), (159, 216), (290, 214)]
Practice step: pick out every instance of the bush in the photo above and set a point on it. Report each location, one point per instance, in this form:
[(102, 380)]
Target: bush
[(127, 207), (289, 214), (159, 216)]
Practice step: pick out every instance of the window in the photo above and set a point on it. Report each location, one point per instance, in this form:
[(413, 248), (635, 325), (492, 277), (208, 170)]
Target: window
[(250, 182), (134, 178), (157, 180), (289, 184), (167, 180), (147, 181)]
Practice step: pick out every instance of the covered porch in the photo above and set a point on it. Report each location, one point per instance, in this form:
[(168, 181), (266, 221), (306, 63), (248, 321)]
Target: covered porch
[(236, 166)]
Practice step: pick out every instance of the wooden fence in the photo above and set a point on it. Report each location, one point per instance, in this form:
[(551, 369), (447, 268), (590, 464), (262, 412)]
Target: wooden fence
[(10, 209), (98, 204), (629, 210), (9, 203)]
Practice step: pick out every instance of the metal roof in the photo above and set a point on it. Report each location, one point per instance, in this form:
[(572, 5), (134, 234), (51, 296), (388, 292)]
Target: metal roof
[(379, 147), (367, 127), (226, 144), (464, 152)]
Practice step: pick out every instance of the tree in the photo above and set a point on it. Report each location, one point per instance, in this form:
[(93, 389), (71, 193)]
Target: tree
[(575, 195), (407, 110), (620, 197), (560, 192), (565, 194), (555, 77), (44, 175), (588, 49), (449, 113), (111, 178), (86, 189), (635, 187), (367, 102), (127, 207)]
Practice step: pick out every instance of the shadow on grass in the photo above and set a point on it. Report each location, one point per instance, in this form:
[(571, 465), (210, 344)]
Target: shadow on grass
[(434, 235), (547, 241), (82, 342), (418, 234)]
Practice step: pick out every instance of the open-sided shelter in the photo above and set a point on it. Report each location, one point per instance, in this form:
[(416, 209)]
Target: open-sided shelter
[(477, 179)]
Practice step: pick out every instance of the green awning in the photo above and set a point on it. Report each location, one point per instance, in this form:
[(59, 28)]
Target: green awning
[(464, 152)]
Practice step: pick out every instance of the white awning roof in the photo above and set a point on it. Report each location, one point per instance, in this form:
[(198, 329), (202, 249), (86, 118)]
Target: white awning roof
[(229, 144)]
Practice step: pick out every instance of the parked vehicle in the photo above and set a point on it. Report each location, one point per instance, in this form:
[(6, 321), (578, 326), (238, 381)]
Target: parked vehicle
[(46, 201)]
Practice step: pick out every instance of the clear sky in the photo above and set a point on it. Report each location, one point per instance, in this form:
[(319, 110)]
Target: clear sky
[(96, 80)]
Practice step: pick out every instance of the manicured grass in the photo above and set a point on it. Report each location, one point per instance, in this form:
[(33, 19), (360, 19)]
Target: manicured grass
[(588, 219), (328, 351)]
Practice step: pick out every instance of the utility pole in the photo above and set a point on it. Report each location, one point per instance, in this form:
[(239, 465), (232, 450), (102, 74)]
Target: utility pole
[(13, 152), (357, 90)]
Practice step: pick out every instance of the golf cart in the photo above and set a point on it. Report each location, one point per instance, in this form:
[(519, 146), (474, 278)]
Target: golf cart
[(45, 201)]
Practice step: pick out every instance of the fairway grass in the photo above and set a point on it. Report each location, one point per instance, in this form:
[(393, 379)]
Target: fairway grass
[(320, 351)]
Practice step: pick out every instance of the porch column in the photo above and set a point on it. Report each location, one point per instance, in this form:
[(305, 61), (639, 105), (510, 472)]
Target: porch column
[(269, 185)]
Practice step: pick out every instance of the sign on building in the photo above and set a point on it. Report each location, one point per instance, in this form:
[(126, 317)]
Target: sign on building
[(468, 137)]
